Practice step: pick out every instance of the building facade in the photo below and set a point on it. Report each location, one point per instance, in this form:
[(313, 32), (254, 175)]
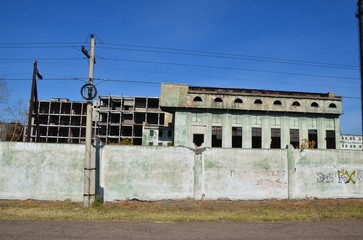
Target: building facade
[(351, 142), (246, 118), (116, 120)]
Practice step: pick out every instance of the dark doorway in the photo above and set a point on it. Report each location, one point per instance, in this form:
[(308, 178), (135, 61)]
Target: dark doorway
[(236, 137)]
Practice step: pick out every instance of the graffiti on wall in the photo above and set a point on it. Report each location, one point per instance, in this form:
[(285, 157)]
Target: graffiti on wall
[(268, 178), (342, 176), (346, 177)]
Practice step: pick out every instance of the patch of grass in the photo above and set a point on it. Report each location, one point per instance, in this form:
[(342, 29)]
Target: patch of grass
[(186, 211)]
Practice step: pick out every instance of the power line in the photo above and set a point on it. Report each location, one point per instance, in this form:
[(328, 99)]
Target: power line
[(226, 68), (228, 55)]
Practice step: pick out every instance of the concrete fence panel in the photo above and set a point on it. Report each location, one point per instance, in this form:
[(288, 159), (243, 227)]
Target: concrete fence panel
[(246, 174), (41, 171), (147, 173), (326, 174)]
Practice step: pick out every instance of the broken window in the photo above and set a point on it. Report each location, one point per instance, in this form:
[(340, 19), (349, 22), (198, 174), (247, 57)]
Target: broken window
[(294, 138), (128, 118), (256, 137), (66, 108), (140, 102), (236, 137), (153, 103), (313, 138), (330, 139), (114, 131), (77, 108), (238, 100), (275, 138), (138, 130), (139, 117), (137, 141), (152, 118), (197, 99), (126, 131), (115, 118), (198, 139), (216, 136)]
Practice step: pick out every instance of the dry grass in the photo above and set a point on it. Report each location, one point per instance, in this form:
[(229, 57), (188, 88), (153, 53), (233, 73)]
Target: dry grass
[(176, 211)]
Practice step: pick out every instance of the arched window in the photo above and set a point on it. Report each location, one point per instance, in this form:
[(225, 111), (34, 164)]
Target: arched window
[(332, 105), (197, 99), (296, 104), (277, 102), (238, 100), (258, 101), (315, 104), (218, 99)]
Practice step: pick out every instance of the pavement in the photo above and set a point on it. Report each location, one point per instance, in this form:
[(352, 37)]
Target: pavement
[(30, 229)]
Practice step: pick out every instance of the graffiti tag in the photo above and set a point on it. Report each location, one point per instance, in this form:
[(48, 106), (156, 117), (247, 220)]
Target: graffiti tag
[(346, 177), (323, 178)]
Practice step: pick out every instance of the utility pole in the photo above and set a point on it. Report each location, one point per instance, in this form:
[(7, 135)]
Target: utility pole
[(359, 15), (89, 194), (33, 103)]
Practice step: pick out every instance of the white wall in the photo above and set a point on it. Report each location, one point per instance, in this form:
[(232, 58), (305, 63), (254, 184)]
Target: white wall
[(55, 172), (41, 171)]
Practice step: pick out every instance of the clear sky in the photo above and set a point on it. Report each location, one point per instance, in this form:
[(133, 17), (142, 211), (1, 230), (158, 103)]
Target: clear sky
[(288, 45)]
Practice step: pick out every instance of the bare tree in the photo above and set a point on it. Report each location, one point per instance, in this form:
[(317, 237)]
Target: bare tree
[(18, 112)]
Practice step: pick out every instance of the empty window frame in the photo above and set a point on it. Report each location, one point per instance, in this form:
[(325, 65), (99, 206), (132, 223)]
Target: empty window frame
[(198, 139), (314, 104), (153, 103), (238, 100), (216, 136), (236, 137), (294, 138), (256, 137), (275, 138), (152, 118), (197, 99), (277, 102), (332, 105), (313, 138), (296, 104), (330, 139), (258, 101), (218, 100)]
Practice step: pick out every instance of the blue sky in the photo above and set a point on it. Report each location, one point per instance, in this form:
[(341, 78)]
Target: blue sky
[(287, 45)]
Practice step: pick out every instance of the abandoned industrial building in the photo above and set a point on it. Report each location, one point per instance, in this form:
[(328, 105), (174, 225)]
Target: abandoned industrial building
[(198, 117), (246, 118), (115, 120)]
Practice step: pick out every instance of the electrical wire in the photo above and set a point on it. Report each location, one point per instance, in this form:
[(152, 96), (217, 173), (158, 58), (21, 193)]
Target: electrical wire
[(226, 68), (228, 55)]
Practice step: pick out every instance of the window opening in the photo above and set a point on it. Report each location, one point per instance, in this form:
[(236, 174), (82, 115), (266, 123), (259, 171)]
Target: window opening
[(238, 100), (313, 138), (332, 105), (197, 99), (277, 102), (256, 138), (330, 139), (218, 99), (258, 101), (236, 137), (296, 104), (294, 138), (216, 136), (198, 139), (275, 138), (315, 104)]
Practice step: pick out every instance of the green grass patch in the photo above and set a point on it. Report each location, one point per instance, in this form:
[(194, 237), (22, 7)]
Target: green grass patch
[(187, 211)]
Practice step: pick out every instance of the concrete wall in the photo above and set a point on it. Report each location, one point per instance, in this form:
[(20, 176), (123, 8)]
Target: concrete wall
[(239, 174), (41, 171), (55, 172), (147, 173), (325, 174)]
